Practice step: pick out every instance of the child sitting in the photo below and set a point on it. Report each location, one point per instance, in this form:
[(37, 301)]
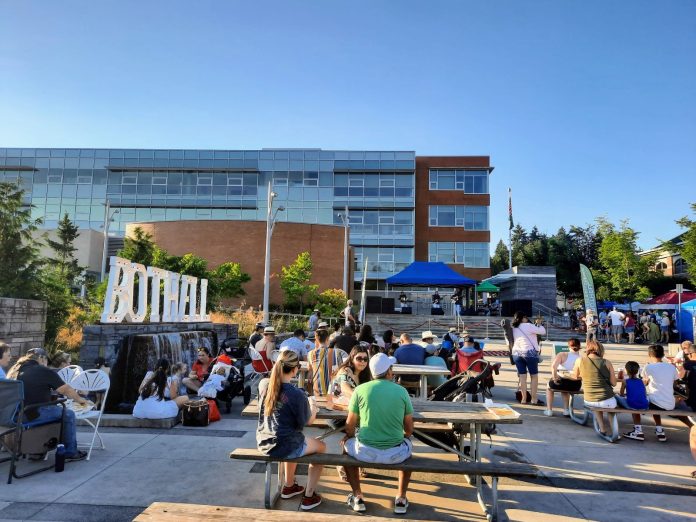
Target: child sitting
[(175, 388), (633, 388), (216, 381)]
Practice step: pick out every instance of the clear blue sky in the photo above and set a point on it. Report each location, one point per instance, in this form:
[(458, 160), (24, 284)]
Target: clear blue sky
[(586, 108)]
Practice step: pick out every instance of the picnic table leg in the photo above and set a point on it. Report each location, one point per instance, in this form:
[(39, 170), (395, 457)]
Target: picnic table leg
[(423, 387), (268, 501), (582, 420), (613, 420), (476, 455)]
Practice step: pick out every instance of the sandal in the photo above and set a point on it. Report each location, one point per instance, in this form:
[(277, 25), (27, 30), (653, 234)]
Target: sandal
[(342, 473)]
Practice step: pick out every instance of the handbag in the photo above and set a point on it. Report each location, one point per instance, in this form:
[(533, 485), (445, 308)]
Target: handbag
[(196, 412), (538, 353)]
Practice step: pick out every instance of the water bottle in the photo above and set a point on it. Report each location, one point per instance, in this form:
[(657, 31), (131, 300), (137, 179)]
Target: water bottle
[(60, 458)]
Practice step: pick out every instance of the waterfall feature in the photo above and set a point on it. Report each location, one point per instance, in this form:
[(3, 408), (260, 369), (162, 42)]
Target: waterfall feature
[(139, 353)]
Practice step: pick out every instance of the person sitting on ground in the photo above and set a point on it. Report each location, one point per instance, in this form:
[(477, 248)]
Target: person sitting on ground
[(216, 382), (152, 403), (598, 380), (383, 412), (525, 354), (39, 382), (296, 343), (345, 341), (353, 372), (175, 385), (5, 355), (465, 356), (435, 359), (199, 371), (284, 411), (659, 378), (321, 363), (633, 395), (60, 360), (561, 380)]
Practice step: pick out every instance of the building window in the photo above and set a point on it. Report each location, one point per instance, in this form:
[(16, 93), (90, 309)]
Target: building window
[(661, 266), (471, 255), (468, 181), (680, 267), (467, 217)]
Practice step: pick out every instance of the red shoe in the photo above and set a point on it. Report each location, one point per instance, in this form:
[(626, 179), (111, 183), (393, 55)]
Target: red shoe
[(310, 502), (291, 491)]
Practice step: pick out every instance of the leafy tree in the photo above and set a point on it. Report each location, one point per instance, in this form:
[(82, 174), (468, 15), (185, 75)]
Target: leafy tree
[(19, 254), (140, 248), (501, 258), (519, 239), (226, 282), (294, 281), (623, 272), (586, 243), (331, 302), (58, 296), (563, 255), (688, 249), (64, 250)]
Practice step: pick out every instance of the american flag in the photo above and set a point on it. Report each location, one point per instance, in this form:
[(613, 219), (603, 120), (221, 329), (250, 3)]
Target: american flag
[(510, 207)]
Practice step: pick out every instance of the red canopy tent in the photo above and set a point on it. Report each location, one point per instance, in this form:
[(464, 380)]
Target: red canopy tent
[(671, 298)]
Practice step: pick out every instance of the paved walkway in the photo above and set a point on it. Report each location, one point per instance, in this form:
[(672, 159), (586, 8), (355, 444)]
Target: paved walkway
[(583, 477)]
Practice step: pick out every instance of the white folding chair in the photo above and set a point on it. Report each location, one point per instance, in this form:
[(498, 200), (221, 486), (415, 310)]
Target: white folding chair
[(92, 381), (260, 365), (69, 373)]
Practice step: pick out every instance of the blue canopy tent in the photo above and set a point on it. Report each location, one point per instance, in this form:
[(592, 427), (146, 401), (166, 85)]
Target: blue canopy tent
[(422, 273), (687, 317)]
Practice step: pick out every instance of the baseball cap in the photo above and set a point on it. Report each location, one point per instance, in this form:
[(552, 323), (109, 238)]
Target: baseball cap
[(380, 364)]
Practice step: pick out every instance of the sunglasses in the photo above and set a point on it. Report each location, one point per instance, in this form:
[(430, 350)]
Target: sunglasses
[(362, 359)]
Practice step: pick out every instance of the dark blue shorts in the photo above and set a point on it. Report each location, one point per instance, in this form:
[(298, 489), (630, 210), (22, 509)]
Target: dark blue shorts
[(526, 363)]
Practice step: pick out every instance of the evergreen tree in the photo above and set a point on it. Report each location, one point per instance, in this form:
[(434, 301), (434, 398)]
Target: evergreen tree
[(501, 258), (65, 262), (19, 255), (519, 240), (140, 248), (688, 249)]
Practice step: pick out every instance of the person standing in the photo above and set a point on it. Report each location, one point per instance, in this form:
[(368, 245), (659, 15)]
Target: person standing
[(314, 320), (457, 302), (349, 315), (630, 327), (383, 412), (591, 324), (664, 328), (525, 354), (617, 320)]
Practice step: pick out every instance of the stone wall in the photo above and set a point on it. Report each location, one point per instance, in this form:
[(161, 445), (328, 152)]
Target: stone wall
[(535, 283), (104, 340), (22, 324)]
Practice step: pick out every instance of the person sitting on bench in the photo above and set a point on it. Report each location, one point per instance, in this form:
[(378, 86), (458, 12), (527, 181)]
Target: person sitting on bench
[(383, 411), (284, 411), (659, 378), (560, 378)]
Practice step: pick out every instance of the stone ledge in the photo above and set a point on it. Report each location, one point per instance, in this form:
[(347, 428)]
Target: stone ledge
[(122, 420)]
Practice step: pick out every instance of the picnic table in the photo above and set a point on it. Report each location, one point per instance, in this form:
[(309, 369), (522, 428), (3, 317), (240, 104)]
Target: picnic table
[(421, 370), (433, 412)]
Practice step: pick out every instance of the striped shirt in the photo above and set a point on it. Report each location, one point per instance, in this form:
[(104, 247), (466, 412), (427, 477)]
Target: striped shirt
[(323, 362)]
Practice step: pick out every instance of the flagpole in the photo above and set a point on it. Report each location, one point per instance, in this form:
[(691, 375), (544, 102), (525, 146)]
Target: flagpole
[(510, 227)]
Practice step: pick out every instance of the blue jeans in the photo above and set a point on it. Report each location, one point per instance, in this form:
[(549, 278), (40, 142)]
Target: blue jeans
[(526, 363), (52, 413)]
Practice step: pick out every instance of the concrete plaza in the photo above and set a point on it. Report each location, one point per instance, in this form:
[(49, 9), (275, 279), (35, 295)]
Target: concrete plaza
[(581, 476)]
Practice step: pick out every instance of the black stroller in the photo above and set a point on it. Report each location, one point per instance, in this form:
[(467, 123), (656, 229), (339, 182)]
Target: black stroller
[(472, 385), (236, 385)]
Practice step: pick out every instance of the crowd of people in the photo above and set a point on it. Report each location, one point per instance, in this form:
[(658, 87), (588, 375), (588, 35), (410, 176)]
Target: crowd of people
[(615, 326)]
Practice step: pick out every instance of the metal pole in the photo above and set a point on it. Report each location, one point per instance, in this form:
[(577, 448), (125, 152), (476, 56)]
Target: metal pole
[(345, 252), (267, 262), (107, 219), (510, 229)]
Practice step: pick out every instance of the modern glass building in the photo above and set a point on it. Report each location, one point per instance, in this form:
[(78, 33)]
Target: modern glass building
[(379, 188)]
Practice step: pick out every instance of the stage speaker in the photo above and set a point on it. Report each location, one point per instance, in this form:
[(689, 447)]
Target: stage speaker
[(517, 305), (387, 305), (406, 310), (373, 304)]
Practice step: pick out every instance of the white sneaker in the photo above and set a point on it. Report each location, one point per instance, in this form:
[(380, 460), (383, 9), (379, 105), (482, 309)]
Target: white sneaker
[(356, 503), (548, 413), (566, 413), (400, 506)]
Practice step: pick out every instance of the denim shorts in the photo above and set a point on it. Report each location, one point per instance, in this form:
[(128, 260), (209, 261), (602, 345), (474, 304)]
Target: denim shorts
[(526, 363), (299, 452)]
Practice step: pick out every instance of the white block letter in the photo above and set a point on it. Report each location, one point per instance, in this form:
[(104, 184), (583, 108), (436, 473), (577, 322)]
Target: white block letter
[(203, 313), (157, 275), (139, 316), (121, 291), (170, 311)]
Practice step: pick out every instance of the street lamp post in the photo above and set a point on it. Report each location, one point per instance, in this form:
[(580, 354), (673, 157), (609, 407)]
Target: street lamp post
[(346, 226), (270, 224), (107, 221)]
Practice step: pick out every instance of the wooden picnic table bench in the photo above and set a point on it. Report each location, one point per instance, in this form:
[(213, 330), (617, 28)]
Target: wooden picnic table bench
[(176, 512), (613, 414), (413, 464)]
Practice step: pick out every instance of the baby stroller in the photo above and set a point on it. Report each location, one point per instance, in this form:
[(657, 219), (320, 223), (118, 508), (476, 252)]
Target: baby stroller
[(472, 385), (235, 379)]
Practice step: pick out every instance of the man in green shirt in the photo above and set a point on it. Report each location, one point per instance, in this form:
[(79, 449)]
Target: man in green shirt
[(383, 411)]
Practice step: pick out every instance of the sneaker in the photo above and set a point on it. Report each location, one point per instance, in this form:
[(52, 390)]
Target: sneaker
[(548, 413), (356, 503), (291, 491), (400, 506), (80, 455), (566, 413), (310, 502), (661, 436), (635, 435)]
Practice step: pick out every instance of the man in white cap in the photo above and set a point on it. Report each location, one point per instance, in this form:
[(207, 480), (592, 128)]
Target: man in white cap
[(383, 411), (266, 345), (591, 323)]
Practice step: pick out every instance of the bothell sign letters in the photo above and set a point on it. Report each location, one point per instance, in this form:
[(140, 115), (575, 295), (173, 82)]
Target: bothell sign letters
[(179, 296)]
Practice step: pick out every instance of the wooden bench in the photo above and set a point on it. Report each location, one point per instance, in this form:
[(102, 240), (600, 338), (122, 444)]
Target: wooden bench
[(413, 464), (613, 414), (175, 512)]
